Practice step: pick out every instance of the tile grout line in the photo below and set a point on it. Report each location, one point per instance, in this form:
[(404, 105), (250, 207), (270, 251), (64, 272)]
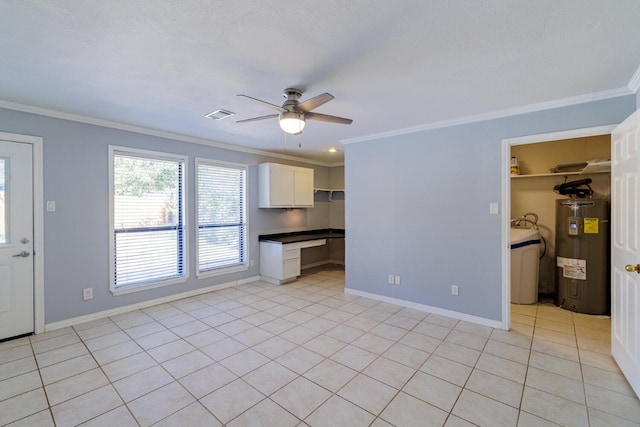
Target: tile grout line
[(238, 378), (450, 413), (526, 372), (105, 375), (312, 299), (584, 388), (44, 390)]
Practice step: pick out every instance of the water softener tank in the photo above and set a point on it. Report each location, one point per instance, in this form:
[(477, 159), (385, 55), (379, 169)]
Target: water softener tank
[(525, 255), (582, 255)]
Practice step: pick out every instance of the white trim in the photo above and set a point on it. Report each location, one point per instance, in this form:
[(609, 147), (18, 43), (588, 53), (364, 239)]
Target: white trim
[(597, 96), (634, 82), (422, 307), (247, 280), (319, 263), (204, 274), (38, 218), (565, 134), (506, 200), (505, 221), (155, 155), (124, 309), (153, 132), (222, 163), (276, 281), (147, 154), (38, 224), (139, 288)]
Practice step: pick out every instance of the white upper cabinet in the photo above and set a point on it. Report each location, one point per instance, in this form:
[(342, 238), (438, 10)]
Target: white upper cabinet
[(284, 186)]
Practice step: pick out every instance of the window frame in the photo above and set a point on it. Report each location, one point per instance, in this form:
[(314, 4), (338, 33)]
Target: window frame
[(230, 269), (148, 155)]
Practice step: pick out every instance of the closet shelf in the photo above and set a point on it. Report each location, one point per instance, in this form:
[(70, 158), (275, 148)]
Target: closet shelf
[(538, 175), (328, 190)]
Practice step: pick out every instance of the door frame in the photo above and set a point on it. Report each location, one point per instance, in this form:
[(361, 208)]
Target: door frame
[(506, 199), (37, 143)]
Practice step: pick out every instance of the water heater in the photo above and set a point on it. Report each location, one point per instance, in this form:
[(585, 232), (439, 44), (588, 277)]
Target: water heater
[(582, 255)]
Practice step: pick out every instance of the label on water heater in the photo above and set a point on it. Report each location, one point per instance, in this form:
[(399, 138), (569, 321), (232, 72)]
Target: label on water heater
[(572, 268), (591, 225), (573, 225)]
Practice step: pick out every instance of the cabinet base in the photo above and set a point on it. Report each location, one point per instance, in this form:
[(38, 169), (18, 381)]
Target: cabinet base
[(277, 281)]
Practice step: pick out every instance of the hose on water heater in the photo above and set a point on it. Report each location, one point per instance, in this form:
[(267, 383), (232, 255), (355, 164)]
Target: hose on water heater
[(575, 188)]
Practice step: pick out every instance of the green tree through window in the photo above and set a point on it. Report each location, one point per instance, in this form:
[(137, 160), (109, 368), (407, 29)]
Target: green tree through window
[(221, 216), (148, 219)]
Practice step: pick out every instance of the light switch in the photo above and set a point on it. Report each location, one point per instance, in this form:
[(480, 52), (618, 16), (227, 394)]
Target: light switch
[(51, 206), (494, 208)]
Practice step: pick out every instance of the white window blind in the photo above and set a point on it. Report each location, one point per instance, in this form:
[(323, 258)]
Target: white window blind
[(222, 224), (148, 220)]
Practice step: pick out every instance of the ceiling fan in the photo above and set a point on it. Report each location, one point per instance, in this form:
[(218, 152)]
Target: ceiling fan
[(294, 113)]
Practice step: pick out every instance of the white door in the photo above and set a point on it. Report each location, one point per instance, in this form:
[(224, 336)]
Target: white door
[(16, 239), (625, 248)]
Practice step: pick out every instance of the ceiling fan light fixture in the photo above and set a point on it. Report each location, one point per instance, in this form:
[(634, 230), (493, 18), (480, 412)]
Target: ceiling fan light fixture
[(292, 122)]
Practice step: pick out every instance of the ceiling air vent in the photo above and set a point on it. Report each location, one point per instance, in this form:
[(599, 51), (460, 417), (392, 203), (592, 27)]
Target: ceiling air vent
[(219, 114)]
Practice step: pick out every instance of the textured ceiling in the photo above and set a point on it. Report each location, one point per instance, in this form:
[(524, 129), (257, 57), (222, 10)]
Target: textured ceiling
[(391, 65)]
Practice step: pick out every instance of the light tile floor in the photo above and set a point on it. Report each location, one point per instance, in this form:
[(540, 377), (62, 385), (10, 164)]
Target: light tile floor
[(307, 354)]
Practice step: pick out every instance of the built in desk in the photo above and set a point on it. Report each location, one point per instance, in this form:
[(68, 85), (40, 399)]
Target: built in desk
[(280, 253)]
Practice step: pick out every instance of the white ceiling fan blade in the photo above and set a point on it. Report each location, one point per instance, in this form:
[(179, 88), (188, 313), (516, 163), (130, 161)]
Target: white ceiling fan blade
[(268, 104), (255, 119), (327, 118), (315, 102)]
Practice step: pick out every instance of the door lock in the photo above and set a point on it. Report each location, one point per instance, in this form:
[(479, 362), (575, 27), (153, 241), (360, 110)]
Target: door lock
[(22, 254), (631, 268)]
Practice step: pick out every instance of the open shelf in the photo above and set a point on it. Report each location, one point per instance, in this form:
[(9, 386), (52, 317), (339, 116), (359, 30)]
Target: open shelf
[(538, 175), (328, 190)]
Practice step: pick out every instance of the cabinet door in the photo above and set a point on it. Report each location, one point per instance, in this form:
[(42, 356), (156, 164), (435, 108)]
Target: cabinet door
[(291, 268), (290, 261), (281, 180), (303, 190)]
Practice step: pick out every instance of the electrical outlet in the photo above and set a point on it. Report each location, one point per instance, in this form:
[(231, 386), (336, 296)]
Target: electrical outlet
[(253, 262), (454, 290), (87, 293), (390, 279), (396, 280)]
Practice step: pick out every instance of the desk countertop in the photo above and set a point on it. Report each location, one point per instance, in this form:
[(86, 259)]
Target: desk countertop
[(303, 236)]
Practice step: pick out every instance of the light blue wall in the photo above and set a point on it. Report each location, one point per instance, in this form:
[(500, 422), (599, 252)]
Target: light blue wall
[(76, 235), (418, 206)]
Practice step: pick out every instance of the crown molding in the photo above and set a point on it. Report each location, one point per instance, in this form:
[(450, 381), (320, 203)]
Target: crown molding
[(561, 135), (153, 132), (634, 82), (564, 102)]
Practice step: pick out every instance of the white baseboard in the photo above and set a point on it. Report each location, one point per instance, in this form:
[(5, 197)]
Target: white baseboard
[(119, 310), (320, 263), (276, 281), (303, 267), (422, 307)]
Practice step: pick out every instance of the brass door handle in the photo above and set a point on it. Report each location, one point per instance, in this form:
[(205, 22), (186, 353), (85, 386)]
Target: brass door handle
[(631, 268)]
